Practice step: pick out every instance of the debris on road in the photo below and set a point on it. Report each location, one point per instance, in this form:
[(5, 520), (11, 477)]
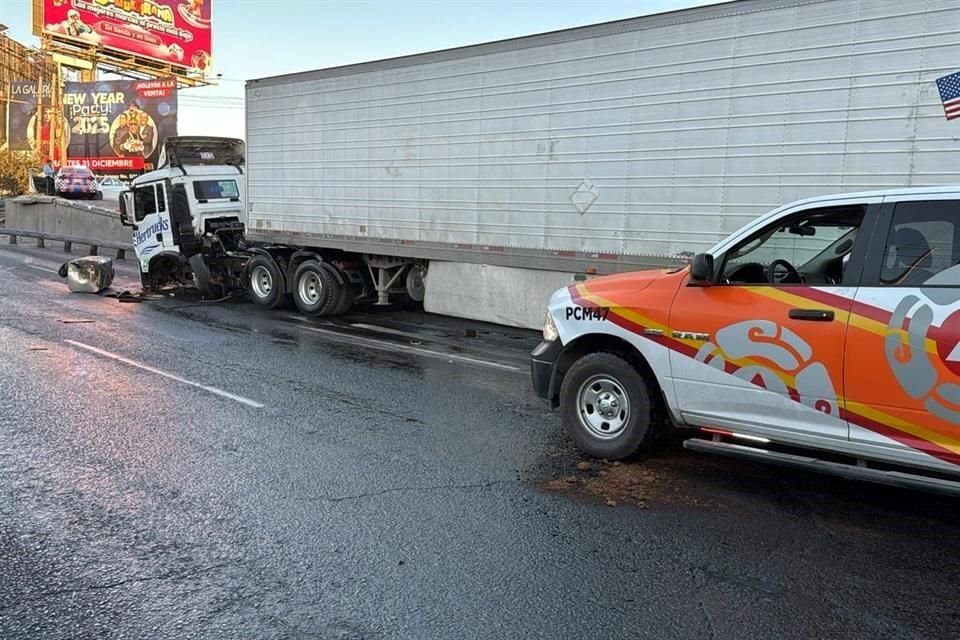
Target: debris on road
[(76, 320), (37, 347), (636, 484), (90, 274)]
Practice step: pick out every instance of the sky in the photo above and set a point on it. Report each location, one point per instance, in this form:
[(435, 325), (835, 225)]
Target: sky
[(259, 38)]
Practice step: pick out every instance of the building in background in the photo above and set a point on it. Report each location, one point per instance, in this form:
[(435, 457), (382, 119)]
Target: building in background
[(32, 72)]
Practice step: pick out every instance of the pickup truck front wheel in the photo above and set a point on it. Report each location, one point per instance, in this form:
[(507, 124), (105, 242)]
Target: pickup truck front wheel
[(607, 407)]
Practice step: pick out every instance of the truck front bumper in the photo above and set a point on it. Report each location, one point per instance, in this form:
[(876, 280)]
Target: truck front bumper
[(542, 362)]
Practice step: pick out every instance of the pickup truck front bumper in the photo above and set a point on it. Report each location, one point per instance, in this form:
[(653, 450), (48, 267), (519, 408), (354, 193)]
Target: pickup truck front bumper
[(542, 362)]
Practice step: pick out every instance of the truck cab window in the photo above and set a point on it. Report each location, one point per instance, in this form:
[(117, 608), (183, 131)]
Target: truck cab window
[(144, 202), (811, 248), (161, 198), (922, 247)]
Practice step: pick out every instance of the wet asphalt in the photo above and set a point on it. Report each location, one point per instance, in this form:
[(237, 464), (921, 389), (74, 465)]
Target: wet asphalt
[(181, 469)]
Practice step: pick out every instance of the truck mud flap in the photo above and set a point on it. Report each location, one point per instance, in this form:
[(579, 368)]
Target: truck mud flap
[(849, 471)]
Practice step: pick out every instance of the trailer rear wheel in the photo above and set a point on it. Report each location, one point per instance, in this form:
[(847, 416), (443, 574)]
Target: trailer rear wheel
[(313, 288), (265, 284), (345, 301), (608, 407)]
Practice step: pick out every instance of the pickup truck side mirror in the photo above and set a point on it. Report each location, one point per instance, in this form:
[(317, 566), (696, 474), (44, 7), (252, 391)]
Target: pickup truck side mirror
[(701, 270), (124, 220)]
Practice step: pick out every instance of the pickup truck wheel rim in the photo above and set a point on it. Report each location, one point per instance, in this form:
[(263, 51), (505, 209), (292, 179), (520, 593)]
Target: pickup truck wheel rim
[(261, 282), (310, 288), (603, 407)]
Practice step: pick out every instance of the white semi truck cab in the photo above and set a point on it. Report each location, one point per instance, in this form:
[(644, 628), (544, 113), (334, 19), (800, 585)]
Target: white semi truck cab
[(187, 216)]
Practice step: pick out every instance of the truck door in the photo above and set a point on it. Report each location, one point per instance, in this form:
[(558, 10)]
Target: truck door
[(152, 231), (765, 341), (903, 350)]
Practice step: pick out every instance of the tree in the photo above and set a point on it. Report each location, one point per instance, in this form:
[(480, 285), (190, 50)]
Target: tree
[(16, 167)]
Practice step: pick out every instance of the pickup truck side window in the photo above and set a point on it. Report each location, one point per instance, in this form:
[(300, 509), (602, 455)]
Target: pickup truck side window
[(812, 247), (922, 247), (144, 202)]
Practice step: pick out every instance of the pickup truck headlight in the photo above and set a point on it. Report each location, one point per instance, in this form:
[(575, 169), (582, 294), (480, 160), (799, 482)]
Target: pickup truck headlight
[(550, 332)]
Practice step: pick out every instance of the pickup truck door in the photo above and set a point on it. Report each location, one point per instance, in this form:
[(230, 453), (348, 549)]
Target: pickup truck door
[(766, 358), (902, 373)]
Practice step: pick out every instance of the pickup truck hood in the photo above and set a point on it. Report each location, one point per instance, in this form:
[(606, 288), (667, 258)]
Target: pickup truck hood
[(632, 281)]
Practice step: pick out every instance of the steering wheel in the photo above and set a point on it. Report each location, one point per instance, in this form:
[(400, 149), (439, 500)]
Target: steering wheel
[(792, 274)]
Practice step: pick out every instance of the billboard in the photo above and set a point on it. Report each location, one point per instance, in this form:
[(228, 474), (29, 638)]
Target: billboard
[(172, 31), (112, 126)]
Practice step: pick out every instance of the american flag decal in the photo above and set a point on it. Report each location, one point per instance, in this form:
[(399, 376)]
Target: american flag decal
[(949, 87)]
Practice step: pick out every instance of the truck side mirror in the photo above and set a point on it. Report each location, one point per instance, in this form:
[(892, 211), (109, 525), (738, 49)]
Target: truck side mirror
[(124, 220), (701, 270)]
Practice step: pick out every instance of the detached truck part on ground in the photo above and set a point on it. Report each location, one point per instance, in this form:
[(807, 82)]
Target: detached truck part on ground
[(480, 179)]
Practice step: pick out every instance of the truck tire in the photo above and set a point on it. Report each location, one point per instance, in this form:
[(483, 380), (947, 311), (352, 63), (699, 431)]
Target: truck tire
[(345, 302), (201, 278), (315, 290), (608, 407), (265, 285)]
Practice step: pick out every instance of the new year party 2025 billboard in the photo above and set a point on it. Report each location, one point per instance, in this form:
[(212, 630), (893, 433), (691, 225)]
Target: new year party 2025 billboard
[(112, 126), (173, 31)]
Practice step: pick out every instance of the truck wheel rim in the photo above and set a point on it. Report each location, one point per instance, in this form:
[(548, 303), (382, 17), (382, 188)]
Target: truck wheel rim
[(603, 407), (310, 288), (261, 282)]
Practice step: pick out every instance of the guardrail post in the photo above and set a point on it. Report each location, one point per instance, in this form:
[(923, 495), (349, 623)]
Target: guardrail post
[(121, 254), (40, 243), (94, 250), (67, 246), (13, 239)]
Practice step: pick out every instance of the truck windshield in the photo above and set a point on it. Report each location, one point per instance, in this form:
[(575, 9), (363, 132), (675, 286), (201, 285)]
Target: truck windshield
[(215, 189)]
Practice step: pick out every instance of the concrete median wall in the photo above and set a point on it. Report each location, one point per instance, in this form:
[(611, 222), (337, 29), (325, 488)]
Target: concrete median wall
[(65, 217), (503, 295)]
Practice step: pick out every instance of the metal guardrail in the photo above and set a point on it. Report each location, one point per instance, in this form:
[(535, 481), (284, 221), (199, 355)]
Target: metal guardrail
[(68, 241)]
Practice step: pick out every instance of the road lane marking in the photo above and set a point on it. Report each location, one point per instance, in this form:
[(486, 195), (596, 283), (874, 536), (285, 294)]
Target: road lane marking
[(44, 269), (390, 346), (379, 329), (165, 374)]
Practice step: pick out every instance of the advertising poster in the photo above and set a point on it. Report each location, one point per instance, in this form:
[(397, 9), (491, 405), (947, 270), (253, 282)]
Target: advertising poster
[(112, 126), (173, 31)]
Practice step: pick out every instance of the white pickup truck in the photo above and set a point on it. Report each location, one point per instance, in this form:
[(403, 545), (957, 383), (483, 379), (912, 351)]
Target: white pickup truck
[(825, 334)]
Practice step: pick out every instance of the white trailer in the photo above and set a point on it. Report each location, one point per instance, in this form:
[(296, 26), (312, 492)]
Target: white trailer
[(505, 170)]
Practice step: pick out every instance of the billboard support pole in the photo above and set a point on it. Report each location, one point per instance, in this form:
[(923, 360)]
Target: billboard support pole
[(61, 134), (38, 118)]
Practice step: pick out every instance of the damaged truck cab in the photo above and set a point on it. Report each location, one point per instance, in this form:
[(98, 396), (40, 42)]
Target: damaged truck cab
[(187, 216)]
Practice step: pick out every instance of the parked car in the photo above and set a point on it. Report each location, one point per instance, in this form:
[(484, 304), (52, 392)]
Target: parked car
[(76, 182), (110, 188)]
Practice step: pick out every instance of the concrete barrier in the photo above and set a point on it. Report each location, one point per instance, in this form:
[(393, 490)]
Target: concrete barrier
[(61, 217), (504, 295)]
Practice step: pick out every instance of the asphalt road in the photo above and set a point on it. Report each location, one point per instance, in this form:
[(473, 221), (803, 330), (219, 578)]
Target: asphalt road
[(177, 469)]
